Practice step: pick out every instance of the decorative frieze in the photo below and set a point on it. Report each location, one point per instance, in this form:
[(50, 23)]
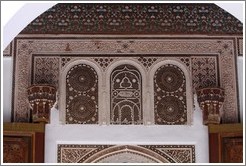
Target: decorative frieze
[(135, 18), (74, 153)]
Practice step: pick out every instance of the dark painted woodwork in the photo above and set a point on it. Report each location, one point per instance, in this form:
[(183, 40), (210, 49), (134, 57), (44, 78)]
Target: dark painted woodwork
[(23, 142), (226, 143)]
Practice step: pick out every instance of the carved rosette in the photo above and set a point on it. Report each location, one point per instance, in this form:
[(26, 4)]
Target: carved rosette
[(82, 95), (170, 95), (210, 101)]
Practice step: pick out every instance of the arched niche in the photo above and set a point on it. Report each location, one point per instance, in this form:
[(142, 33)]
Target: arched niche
[(80, 95), (138, 74), (126, 105), (171, 94)]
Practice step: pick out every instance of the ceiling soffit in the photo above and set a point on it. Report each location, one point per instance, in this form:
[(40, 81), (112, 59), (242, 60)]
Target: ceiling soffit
[(162, 18)]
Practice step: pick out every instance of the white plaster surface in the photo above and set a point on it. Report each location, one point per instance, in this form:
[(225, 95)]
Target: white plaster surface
[(7, 88), (241, 88), (196, 134)]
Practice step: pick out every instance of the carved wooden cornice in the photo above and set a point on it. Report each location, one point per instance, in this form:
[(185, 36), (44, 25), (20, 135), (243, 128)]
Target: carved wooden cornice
[(135, 18)]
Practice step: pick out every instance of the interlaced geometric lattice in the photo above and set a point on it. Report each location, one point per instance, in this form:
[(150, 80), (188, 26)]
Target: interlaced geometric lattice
[(104, 61), (147, 61), (204, 72), (46, 70)]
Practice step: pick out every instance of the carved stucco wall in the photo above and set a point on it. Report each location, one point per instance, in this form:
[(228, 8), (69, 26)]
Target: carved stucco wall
[(209, 60), (198, 132), (177, 18), (143, 106), (205, 57)]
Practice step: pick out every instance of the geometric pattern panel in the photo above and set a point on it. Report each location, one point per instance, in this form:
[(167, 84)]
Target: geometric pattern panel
[(186, 61), (164, 18), (170, 95), (104, 62), (147, 61), (46, 70), (82, 95), (74, 153), (126, 95), (177, 153), (64, 60), (204, 72)]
